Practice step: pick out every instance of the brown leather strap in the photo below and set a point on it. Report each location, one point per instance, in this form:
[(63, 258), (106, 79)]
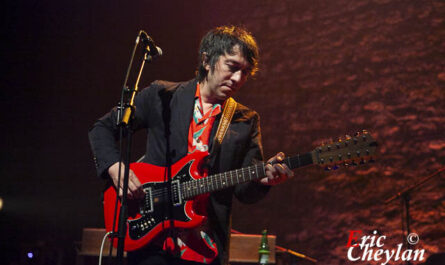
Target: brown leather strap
[(227, 115)]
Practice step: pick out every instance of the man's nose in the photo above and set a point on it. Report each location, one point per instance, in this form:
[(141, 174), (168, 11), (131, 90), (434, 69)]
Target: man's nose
[(237, 76)]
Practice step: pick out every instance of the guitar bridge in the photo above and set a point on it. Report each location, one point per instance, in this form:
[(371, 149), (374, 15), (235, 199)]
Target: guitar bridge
[(176, 193)]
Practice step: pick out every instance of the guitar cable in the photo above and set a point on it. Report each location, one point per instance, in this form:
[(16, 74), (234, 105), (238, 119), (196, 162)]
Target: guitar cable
[(102, 246)]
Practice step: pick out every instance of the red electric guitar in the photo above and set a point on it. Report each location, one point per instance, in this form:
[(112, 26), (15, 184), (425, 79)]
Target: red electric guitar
[(151, 216)]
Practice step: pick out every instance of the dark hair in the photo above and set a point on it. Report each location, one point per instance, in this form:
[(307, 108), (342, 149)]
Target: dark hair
[(220, 41)]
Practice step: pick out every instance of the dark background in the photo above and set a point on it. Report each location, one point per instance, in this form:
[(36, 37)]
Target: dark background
[(328, 68)]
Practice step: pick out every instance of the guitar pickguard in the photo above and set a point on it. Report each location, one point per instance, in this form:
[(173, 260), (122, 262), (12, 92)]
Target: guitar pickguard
[(162, 202)]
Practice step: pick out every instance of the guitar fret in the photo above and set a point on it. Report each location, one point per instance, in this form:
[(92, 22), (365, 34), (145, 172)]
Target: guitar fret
[(225, 179), (189, 189), (236, 174), (184, 193), (289, 163), (200, 186), (242, 173)]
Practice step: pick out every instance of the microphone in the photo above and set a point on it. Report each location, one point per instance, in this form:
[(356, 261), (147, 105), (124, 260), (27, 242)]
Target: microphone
[(150, 46)]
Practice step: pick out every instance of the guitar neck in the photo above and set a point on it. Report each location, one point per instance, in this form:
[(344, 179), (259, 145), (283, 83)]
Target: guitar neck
[(231, 178)]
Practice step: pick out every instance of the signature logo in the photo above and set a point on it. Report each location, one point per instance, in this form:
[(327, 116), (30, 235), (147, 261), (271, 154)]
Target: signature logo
[(372, 248)]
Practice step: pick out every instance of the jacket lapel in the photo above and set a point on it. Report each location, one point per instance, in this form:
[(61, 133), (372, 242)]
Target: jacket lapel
[(185, 102)]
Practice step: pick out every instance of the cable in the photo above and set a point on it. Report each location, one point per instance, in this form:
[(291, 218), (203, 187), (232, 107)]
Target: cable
[(102, 246)]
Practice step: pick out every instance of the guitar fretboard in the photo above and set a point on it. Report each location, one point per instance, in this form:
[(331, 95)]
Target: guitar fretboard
[(230, 178)]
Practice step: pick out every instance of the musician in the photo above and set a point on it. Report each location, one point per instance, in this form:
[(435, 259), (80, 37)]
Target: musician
[(182, 118)]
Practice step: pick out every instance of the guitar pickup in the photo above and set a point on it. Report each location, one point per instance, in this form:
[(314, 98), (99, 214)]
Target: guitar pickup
[(147, 204), (176, 193)]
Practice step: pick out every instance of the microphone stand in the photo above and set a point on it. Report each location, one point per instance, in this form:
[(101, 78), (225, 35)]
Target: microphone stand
[(405, 195), (124, 121)]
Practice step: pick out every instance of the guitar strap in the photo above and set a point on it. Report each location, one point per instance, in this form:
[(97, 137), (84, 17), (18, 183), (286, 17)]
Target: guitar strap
[(229, 110), (227, 115)]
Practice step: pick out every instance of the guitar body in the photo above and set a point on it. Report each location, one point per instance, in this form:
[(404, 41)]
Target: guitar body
[(163, 206)]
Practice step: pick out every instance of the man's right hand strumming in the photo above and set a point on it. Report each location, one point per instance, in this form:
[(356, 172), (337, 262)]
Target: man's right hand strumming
[(134, 186)]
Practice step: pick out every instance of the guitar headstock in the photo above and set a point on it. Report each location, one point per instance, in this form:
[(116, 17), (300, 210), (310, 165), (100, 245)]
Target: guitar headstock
[(350, 150)]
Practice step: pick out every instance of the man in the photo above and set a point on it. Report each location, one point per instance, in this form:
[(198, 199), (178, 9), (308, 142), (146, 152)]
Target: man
[(182, 118)]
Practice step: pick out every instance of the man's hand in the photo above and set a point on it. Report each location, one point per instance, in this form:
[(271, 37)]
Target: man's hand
[(276, 171), (134, 186)]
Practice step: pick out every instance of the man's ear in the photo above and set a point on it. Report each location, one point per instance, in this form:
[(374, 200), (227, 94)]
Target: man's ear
[(205, 61)]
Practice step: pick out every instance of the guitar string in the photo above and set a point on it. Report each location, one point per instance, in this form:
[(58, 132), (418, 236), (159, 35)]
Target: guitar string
[(210, 181), (216, 178)]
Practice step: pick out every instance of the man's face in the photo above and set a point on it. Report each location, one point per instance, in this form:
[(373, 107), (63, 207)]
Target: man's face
[(229, 74)]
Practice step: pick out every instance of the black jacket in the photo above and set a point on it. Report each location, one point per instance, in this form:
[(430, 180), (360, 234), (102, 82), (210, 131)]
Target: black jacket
[(165, 109)]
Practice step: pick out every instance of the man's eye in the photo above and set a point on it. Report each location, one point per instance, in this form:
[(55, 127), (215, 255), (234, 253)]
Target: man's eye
[(232, 68)]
